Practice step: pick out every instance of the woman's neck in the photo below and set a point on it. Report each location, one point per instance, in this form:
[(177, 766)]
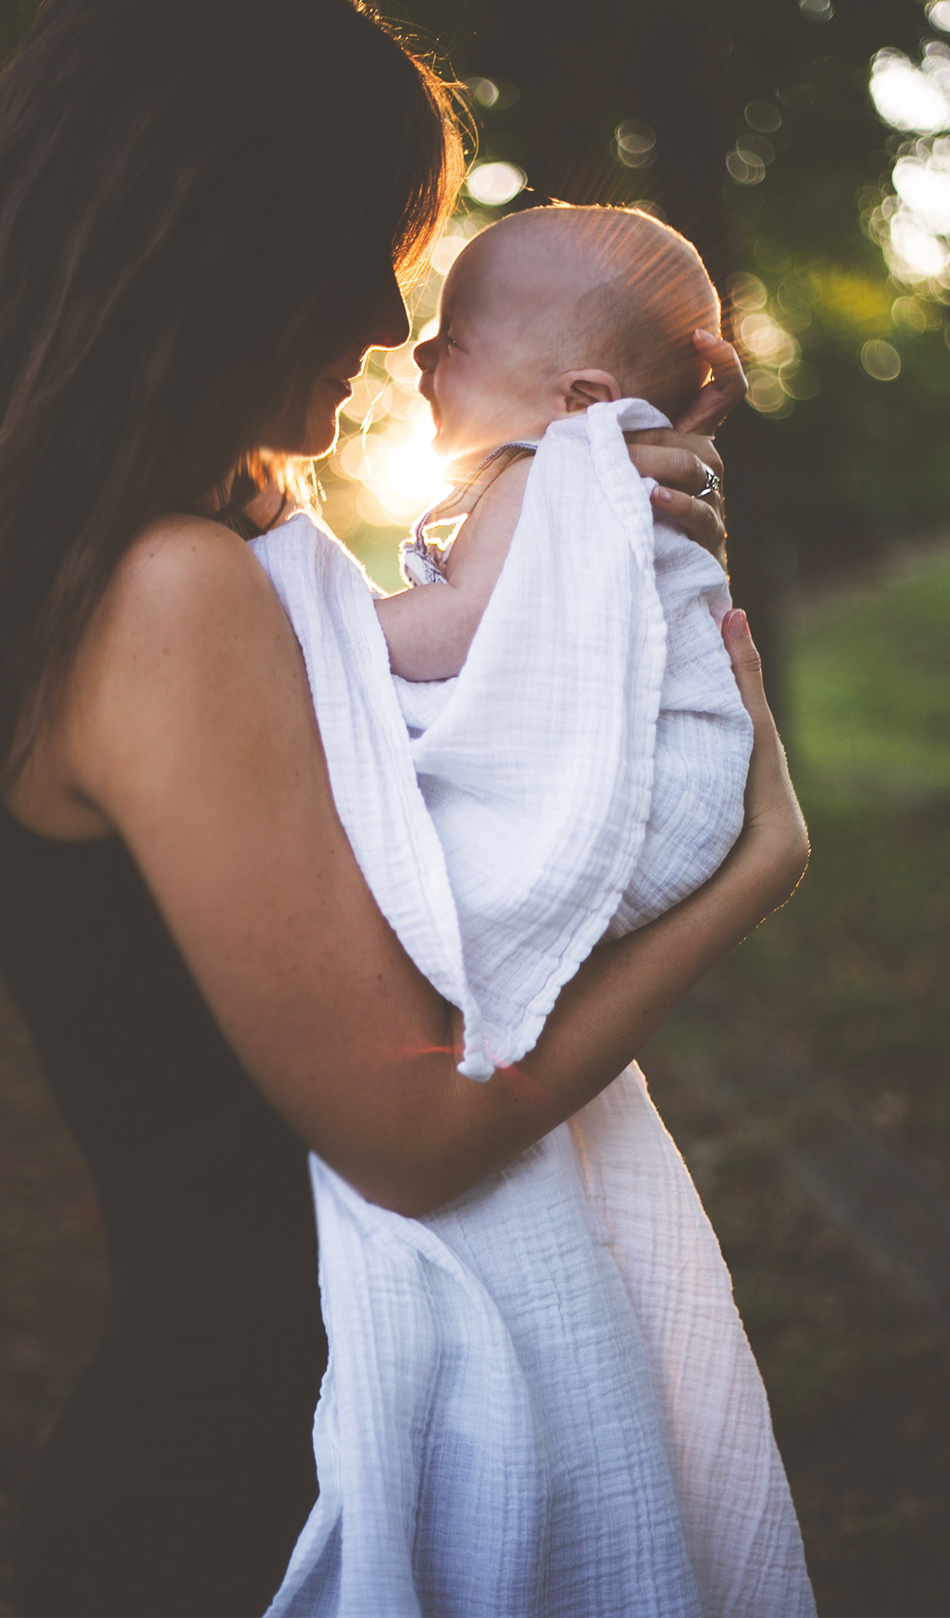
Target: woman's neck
[(263, 509)]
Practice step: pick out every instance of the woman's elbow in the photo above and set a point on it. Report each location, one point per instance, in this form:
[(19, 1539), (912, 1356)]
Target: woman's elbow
[(409, 1199), (418, 1188)]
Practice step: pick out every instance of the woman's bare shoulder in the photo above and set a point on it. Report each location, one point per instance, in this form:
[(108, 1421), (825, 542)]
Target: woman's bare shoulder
[(188, 600), (165, 631), (189, 646), (182, 565)]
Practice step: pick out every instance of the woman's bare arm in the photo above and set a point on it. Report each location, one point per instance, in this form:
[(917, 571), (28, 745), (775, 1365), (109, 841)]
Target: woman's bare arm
[(190, 727)]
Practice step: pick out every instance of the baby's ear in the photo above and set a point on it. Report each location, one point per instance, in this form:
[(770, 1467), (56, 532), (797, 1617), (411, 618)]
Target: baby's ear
[(578, 390)]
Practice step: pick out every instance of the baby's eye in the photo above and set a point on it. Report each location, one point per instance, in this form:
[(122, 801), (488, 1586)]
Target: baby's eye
[(450, 341)]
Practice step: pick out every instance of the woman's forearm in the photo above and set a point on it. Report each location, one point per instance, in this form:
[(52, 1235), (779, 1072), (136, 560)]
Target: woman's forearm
[(620, 997), (625, 990)]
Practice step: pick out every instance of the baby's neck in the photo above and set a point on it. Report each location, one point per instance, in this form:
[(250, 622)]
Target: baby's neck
[(527, 427), (468, 462)]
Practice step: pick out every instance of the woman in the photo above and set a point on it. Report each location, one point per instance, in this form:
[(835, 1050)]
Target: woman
[(207, 213)]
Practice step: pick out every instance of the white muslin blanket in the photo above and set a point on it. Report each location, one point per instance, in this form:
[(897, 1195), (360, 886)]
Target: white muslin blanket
[(586, 769), (540, 1401)]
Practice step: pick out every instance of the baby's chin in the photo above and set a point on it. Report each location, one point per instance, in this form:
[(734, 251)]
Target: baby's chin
[(454, 448), (463, 449)]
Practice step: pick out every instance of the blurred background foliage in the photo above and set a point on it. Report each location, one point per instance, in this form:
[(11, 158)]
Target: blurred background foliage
[(804, 145), (821, 211)]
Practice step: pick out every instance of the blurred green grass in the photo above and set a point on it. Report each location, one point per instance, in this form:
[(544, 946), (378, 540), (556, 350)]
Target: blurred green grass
[(870, 694), (807, 1081)]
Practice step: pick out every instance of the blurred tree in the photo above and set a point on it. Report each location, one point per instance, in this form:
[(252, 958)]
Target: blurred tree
[(750, 128)]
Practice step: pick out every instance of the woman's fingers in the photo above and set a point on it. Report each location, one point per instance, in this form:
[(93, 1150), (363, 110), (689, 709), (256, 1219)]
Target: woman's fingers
[(681, 464), (701, 520), (746, 666), (726, 387), (680, 460), (772, 808)]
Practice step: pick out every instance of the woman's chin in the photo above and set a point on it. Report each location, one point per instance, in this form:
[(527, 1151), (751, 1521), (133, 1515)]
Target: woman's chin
[(320, 438)]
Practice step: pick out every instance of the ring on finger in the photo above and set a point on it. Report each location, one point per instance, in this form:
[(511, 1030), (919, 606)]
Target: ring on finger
[(712, 484)]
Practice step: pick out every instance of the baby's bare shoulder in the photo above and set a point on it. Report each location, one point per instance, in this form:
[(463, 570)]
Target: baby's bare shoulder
[(497, 511), (514, 474)]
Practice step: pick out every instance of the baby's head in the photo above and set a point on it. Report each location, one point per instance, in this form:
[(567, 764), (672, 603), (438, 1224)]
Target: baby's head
[(555, 309)]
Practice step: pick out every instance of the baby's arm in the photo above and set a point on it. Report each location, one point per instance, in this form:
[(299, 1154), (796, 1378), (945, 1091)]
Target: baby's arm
[(429, 628)]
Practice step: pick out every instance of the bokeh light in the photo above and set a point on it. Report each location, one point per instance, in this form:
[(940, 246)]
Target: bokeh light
[(923, 185), (752, 153), (389, 462), (761, 115), (494, 184), (909, 97), (492, 95), (777, 375), (745, 167), (484, 91), (912, 224), (635, 144), (881, 360)]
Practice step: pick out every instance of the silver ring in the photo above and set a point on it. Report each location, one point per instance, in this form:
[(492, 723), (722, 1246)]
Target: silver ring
[(711, 485)]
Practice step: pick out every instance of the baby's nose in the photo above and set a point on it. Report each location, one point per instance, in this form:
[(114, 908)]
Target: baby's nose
[(423, 354)]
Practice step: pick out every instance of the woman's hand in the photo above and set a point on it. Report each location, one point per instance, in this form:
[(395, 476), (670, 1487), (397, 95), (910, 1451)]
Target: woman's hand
[(680, 458), (773, 820), (726, 386)]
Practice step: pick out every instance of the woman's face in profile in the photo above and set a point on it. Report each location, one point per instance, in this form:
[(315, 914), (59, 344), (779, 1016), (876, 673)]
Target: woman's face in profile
[(386, 325)]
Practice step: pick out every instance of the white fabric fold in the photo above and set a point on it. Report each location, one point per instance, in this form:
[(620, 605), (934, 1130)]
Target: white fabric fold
[(585, 771), (540, 1402)]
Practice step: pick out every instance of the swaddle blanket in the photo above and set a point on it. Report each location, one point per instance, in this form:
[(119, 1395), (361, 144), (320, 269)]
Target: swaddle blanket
[(586, 769), (539, 1402)]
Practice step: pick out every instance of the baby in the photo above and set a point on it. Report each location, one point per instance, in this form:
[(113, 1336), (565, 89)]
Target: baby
[(543, 315), (574, 724)]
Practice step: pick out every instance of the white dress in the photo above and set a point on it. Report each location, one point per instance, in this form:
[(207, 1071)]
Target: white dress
[(540, 1401)]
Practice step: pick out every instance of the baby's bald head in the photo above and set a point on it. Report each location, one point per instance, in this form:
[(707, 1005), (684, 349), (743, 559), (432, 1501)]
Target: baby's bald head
[(610, 288)]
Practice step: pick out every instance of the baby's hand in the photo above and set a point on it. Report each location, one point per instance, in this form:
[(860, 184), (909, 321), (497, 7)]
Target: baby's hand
[(430, 628)]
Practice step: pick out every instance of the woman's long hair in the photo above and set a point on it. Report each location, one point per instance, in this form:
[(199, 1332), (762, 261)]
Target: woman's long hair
[(199, 200)]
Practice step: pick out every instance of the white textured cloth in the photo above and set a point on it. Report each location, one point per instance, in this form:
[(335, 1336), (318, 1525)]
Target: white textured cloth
[(540, 1402), (585, 771)]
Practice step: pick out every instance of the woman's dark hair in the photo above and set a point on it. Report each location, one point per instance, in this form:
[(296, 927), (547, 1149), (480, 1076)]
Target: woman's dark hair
[(199, 201)]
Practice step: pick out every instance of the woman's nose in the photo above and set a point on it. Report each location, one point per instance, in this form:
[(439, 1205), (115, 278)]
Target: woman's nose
[(391, 326)]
